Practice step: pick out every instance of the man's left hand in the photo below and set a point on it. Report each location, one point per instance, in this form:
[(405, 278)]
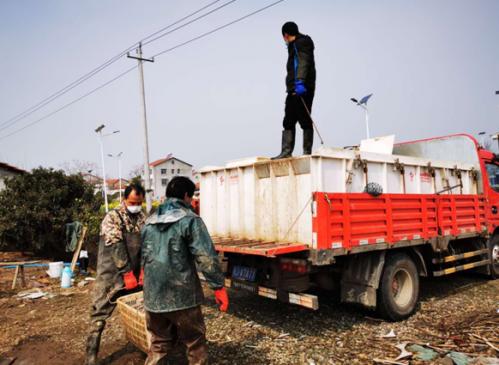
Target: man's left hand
[(222, 299), (300, 88)]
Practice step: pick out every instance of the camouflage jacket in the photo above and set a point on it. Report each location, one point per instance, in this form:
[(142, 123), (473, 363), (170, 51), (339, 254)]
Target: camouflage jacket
[(175, 245), (111, 229), (120, 238)]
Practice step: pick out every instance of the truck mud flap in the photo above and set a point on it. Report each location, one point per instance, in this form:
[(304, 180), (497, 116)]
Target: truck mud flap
[(360, 279)]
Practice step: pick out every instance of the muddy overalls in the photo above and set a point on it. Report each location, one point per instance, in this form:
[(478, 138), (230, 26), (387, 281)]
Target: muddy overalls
[(113, 260)]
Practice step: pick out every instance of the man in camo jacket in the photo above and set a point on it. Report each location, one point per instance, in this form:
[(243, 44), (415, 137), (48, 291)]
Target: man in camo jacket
[(118, 263)]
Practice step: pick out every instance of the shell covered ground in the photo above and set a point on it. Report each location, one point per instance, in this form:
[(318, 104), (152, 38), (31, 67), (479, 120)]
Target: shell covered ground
[(457, 314)]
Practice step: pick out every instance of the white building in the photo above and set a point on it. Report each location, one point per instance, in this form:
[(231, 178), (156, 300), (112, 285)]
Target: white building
[(7, 171), (163, 170)]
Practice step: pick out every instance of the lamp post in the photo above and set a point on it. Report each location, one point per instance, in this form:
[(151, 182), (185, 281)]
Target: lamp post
[(118, 157), (482, 138), (363, 104), (98, 130), (496, 137)]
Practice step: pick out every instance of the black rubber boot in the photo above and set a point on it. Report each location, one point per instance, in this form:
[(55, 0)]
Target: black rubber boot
[(93, 344), (288, 144), (308, 141)]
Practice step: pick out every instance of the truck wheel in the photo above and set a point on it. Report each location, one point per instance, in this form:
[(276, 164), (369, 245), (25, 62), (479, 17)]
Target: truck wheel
[(494, 256), (399, 288)]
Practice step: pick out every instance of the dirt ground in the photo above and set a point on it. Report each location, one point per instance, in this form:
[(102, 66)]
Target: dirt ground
[(458, 313)]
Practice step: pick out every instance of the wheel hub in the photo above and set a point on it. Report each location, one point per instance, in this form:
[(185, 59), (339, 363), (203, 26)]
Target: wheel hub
[(402, 287), (495, 254)]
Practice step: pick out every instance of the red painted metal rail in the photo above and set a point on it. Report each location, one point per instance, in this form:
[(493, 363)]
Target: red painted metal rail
[(347, 220)]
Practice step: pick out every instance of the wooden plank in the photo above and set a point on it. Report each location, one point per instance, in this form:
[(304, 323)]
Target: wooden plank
[(78, 248), (15, 277)]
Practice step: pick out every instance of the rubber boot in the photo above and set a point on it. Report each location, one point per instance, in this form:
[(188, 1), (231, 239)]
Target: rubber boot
[(308, 141), (93, 344), (288, 144)]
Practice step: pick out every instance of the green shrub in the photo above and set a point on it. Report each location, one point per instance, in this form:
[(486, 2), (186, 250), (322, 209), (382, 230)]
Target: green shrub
[(35, 207)]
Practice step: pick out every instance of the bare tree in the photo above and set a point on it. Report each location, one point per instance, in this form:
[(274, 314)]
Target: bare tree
[(136, 171), (80, 167)]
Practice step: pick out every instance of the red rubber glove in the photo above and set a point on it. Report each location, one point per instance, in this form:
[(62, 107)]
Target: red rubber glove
[(130, 280), (141, 277), (222, 299)]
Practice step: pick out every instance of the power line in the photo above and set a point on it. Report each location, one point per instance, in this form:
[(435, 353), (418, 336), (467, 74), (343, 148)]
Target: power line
[(6, 124), (217, 29), (13, 120), (132, 68), (70, 103), (189, 22)]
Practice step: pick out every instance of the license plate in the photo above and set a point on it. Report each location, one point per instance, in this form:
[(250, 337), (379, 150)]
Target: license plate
[(244, 273)]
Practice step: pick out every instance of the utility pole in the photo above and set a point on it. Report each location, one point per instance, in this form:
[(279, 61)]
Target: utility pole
[(147, 175)]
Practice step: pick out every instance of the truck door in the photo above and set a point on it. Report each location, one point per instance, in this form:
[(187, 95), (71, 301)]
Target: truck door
[(492, 168)]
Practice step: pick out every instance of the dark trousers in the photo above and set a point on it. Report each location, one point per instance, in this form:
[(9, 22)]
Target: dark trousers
[(185, 326), (295, 111)]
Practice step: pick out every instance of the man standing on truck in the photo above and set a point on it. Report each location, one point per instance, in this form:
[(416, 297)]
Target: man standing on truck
[(300, 86), (176, 245), (118, 262)]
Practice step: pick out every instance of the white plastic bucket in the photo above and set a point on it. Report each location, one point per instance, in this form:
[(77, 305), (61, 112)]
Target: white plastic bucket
[(55, 269)]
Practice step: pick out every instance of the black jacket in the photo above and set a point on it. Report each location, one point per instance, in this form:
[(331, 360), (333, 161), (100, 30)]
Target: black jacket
[(303, 48)]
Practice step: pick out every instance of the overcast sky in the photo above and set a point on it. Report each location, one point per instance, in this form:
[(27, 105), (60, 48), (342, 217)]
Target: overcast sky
[(433, 66)]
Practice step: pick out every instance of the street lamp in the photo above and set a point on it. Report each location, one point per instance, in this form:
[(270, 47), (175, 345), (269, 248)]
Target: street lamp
[(482, 138), (363, 104), (118, 157), (496, 137), (98, 130)]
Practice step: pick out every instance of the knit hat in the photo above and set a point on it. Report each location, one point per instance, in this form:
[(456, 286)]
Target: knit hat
[(290, 28)]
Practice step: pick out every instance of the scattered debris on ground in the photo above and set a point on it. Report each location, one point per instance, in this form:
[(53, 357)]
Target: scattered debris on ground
[(457, 324)]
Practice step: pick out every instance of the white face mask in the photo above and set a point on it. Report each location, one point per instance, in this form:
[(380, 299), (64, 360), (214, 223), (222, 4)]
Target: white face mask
[(134, 209)]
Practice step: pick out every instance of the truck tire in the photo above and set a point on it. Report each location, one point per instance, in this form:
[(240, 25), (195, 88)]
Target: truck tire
[(398, 292), (494, 256)]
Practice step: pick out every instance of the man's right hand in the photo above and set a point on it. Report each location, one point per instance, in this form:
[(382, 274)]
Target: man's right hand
[(130, 280)]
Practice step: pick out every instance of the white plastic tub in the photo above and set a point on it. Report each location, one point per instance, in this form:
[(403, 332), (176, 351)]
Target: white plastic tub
[(55, 269)]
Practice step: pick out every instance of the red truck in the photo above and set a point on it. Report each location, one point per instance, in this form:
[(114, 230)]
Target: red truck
[(367, 221)]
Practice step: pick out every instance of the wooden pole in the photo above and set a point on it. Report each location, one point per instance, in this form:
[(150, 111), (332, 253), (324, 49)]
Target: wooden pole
[(78, 248)]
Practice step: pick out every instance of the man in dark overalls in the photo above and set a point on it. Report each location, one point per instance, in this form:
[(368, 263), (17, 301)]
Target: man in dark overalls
[(300, 87), (118, 263)]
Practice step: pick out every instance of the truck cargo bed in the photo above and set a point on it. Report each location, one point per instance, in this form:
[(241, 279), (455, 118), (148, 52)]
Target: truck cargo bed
[(259, 248)]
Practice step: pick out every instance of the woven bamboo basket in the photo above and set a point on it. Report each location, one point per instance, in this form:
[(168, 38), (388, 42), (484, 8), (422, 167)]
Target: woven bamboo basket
[(133, 318)]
